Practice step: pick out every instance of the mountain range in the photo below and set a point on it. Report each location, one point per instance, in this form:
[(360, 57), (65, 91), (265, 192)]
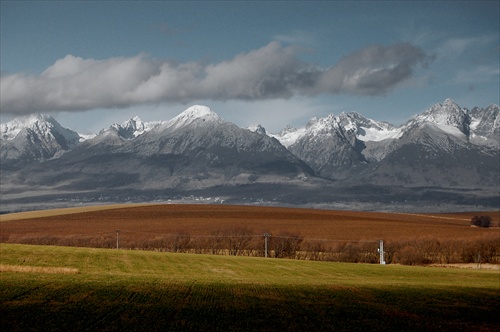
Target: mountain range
[(446, 157)]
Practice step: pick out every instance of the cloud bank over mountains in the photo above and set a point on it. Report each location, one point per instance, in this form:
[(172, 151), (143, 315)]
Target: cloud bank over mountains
[(271, 72)]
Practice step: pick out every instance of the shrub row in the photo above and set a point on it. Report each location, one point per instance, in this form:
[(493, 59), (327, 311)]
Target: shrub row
[(243, 242)]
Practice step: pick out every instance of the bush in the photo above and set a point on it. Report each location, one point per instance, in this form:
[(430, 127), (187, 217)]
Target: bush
[(409, 255), (481, 251), (244, 241), (481, 221)]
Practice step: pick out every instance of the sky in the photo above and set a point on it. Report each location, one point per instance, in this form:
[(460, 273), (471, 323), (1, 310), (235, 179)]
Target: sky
[(94, 63)]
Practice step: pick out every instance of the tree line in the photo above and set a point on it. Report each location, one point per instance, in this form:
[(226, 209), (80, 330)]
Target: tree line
[(242, 241)]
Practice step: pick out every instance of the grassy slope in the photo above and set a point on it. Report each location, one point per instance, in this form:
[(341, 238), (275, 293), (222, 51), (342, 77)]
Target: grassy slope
[(137, 290)]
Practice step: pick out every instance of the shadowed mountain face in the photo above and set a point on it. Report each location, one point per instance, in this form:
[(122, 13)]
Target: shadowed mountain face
[(195, 150), (344, 158), (445, 146)]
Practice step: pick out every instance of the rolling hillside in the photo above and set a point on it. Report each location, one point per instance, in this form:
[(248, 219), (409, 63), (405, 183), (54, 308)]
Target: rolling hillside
[(205, 219)]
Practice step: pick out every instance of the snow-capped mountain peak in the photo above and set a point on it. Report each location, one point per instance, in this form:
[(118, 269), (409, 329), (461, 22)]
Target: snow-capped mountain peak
[(447, 114), (353, 123), (36, 137), (194, 114), (135, 123), (485, 125), (349, 120), (367, 129), (289, 135), (45, 126), (257, 128), (134, 127), (317, 126), (12, 128)]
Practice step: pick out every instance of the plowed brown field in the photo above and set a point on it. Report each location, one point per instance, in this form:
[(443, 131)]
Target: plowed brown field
[(200, 220)]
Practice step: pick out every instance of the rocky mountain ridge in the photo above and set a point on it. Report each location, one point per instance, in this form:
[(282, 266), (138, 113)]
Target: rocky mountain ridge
[(35, 138), (447, 148)]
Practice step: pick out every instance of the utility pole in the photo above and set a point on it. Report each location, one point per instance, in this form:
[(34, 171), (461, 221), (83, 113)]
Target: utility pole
[(117, 231), (266, 240)]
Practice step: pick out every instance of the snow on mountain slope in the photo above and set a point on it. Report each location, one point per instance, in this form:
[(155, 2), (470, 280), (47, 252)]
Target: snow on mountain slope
[(43, 125), (366, 130), (481, 124), (198, 150), (201, 131), (327, 146), (196, 114), (134, 127), (329, 142), (257, 128), (377, 135), (35, 137), (12, 128), (447, 114), (289, 135), (451, 130), (485, 125), (315, 127), (110, 137), (335, 146), (478, 127)]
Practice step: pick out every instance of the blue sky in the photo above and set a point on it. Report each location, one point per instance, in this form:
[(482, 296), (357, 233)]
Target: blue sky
[(91, 64)]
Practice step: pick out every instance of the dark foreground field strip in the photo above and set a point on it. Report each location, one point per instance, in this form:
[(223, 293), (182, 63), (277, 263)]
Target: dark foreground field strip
[(129, 305), (136, 290)]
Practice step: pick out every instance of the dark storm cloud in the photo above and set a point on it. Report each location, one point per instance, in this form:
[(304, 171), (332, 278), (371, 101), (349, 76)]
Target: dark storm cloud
[(271, 72)]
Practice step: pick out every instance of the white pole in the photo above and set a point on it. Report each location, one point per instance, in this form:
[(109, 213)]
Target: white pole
[(117, 231), (381, 251), (266, 236)]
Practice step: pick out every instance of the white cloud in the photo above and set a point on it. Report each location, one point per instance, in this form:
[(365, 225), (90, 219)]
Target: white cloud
[(271, 72)]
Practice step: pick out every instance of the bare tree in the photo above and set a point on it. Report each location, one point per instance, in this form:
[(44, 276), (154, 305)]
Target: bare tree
[(238, 240), (285, 245)]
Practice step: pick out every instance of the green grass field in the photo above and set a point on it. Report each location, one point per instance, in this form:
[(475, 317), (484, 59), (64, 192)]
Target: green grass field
[(63, 288)]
